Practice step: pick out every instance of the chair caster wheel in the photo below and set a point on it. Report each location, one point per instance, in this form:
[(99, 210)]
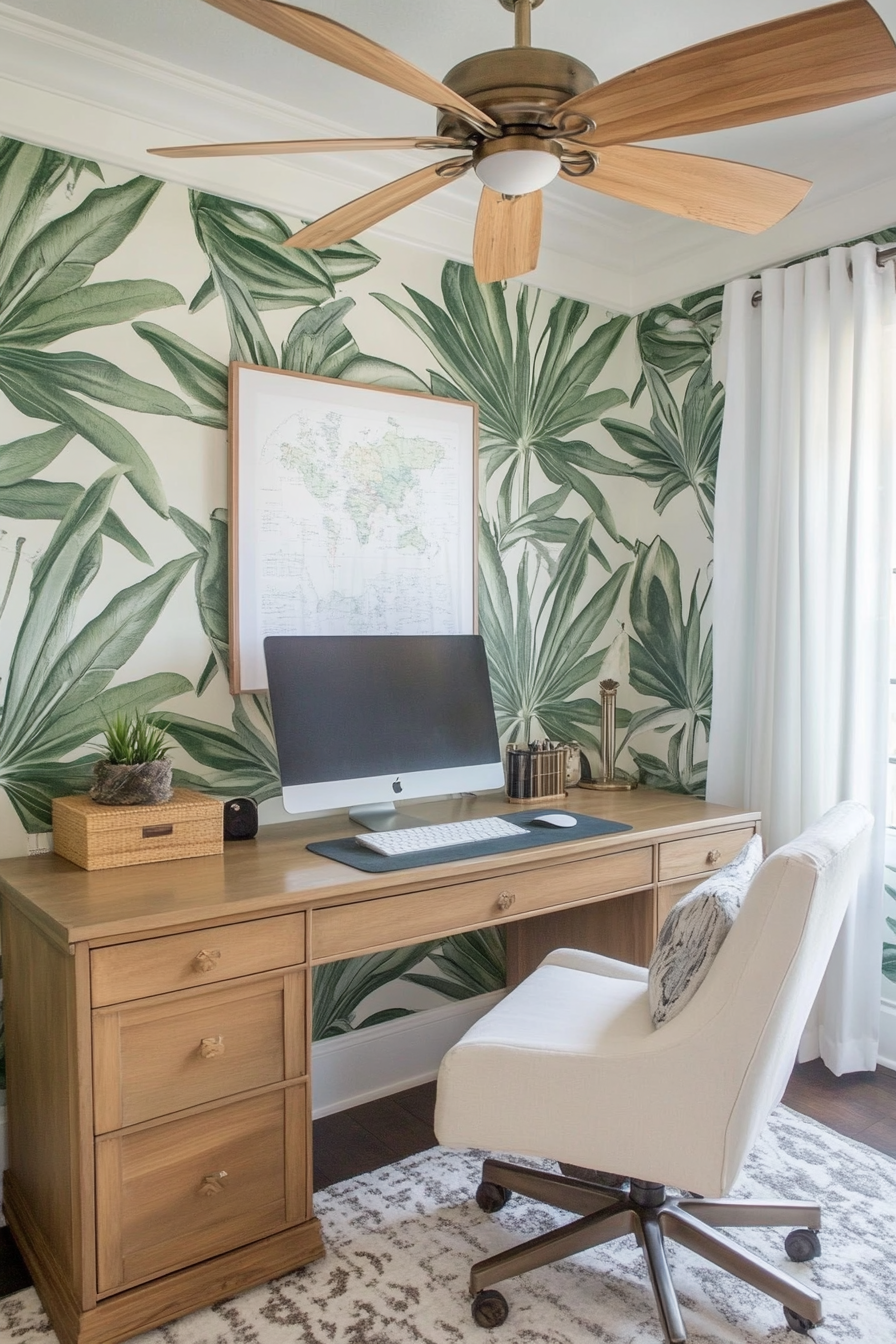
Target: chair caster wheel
[(490, 1308), (797, 1322), (803, 1243), (491, 1198)]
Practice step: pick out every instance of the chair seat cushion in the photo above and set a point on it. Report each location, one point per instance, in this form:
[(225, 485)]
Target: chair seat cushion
[(694, 931), (546, 1042)]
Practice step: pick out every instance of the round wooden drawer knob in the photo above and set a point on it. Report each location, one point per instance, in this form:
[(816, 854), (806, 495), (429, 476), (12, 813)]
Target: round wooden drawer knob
[(206, 959), (210, 1046), (713, 856), (211, 1185), (506, 900)]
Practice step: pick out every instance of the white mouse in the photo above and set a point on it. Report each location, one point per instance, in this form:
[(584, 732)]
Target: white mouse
[(554, 819)]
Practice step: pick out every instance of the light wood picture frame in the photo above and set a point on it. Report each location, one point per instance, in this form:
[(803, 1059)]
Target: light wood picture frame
[(353, 510)]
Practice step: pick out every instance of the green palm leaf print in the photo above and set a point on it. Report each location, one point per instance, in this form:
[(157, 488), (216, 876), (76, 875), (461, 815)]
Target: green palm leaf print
[(44, 296), (532, 390), (58, 692), (541, 653), (23, 495), (678, 337), (240, 759), (680, 450), (671, 662), (469, 964), (342, 986)]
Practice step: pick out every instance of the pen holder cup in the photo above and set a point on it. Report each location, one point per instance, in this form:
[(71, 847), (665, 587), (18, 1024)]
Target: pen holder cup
[(534, 775)]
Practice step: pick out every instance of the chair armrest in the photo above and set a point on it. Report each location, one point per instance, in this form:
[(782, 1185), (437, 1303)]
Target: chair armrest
[(593, 962)]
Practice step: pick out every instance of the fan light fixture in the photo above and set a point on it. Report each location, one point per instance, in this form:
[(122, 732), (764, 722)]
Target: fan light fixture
[(522, 115), (517, 164)]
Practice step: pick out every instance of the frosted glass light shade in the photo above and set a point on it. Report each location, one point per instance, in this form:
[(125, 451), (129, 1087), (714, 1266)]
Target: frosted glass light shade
[(515, 172)]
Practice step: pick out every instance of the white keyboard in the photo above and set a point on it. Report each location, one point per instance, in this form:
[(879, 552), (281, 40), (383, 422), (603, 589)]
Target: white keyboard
[(414, 839)]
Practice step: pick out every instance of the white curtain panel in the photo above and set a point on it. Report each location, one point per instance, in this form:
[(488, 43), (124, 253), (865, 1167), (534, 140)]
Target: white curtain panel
[(801, 585)]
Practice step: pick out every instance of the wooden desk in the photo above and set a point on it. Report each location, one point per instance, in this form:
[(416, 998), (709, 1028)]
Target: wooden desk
[(158, 1032)]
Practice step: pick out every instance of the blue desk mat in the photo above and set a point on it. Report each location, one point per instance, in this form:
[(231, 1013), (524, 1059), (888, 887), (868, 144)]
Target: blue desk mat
[(348, 850)]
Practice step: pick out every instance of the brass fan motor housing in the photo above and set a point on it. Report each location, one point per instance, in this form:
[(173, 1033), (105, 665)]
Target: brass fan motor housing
[(516, 86)]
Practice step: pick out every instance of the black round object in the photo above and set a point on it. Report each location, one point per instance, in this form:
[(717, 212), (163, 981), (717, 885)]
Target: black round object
[(491, 1197), (798, 1323), (240, 819), (802, 1244), (490, 1308)]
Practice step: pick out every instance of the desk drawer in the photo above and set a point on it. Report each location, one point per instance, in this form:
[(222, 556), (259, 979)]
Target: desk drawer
[(181, 960), (702, 854), (166, 1054), (345, 930), (173, 1194)]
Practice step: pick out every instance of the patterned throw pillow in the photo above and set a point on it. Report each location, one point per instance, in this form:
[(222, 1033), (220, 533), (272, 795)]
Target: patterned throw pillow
[(694, 931)]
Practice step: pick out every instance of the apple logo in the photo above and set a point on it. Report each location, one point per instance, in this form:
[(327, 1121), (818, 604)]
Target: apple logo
[(396, 787)]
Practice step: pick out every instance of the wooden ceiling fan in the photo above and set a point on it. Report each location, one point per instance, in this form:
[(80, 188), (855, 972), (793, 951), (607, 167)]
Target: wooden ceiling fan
[(523, 115)]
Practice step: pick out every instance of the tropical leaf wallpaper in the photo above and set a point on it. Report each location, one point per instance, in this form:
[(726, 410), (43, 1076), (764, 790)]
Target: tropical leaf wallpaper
[(122, 301)]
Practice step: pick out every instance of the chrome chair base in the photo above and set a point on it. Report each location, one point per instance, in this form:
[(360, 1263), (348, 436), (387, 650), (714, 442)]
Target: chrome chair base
[(648, 1212)]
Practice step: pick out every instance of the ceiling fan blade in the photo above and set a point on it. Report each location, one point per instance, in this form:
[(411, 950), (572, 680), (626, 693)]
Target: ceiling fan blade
[(508, 235), (837, 54), (343, 46), (715, 191), (305, 146), (358, 215)]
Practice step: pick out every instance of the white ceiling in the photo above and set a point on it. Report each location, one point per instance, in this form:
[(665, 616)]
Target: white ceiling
[(111, 78)]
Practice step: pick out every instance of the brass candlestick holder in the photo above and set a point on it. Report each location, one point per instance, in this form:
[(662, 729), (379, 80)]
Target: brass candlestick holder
[(608, 778)]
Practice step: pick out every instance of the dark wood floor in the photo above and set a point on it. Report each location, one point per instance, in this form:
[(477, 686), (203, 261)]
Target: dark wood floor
[(860, 1105), (352, 1142)]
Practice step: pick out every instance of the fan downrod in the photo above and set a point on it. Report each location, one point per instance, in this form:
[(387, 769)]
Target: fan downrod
[(522, 13)]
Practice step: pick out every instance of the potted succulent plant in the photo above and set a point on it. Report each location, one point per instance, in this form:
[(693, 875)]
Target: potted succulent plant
[(136, 768)]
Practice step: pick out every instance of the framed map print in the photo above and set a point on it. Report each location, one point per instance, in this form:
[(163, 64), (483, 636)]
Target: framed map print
[(353, 512)]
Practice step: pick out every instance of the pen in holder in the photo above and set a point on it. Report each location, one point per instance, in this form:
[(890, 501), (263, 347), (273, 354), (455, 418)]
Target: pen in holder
[(535, 770)]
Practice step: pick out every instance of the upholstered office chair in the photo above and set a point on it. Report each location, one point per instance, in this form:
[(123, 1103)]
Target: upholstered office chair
[(569, 1066)]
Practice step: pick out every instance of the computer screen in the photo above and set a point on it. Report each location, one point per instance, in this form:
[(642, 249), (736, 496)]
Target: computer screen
[(371, 719)]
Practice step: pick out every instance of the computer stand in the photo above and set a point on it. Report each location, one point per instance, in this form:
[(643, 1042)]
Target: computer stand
[(383, 817)]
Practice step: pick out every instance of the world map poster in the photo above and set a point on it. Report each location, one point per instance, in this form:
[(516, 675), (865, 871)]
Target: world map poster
[(355, 511)]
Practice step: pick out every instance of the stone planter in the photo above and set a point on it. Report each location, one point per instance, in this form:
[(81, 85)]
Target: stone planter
[(149, 782)]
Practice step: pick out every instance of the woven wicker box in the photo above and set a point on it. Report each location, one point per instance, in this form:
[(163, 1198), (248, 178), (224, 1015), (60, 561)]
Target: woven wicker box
[(95, 836)]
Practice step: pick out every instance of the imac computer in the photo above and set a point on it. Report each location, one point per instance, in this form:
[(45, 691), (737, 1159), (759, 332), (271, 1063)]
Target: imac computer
[(364, 720)]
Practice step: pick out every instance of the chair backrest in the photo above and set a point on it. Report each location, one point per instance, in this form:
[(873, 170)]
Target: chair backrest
[(753, 1005)]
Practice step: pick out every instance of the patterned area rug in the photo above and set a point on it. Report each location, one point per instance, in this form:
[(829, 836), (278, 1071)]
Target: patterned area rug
[(400, 1242)]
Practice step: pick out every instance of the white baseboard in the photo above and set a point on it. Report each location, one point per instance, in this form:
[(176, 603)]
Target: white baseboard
[(886, 1050), (363, 1065)]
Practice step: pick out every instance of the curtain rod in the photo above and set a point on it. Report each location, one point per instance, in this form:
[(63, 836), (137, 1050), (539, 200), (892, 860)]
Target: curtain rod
[(884, 254)]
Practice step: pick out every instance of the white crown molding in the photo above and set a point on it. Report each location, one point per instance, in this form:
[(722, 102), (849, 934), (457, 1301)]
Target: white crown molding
[(86, 95), (803, 232)]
